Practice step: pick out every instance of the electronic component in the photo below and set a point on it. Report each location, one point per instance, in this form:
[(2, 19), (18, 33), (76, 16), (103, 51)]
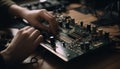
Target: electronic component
[(74, 40), (50, 5)]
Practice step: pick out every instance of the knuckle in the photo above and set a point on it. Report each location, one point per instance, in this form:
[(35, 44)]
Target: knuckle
[(52, 19), (20, 31), (25, 33), (37, 31), (41, 38), (42, 11)]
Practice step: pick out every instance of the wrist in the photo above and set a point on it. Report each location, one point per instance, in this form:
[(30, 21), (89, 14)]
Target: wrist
[(5, 56)]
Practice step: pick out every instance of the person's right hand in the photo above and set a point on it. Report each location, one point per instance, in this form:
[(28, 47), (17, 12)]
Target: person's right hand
[(22, 45), (34, 17)]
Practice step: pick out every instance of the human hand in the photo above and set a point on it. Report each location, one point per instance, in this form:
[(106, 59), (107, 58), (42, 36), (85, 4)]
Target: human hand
[(34, 16), (22, 45)]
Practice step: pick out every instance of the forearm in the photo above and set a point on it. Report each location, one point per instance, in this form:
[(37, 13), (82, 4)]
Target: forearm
[(4, 6), (11, 8), (18, 11)]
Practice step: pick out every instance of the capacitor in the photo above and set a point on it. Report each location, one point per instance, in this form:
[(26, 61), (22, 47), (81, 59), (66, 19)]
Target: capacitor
[(52, 42), (77, 29), (100, 32), (106, 35), (72, 22), (94, 29), (94, 38), (82, 45), (88, 28), (81, 24), (87, 45), (63, 44), (63, 8), (67, 25)]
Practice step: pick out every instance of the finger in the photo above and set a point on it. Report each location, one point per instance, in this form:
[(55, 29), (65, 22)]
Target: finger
[(25, 32), (49, 13), (47, 18), (29, 31), (25, 28), (22, 30), (34, 35), (44, 14), (51, 20), (22, 36), (38, 40), (41, 26)]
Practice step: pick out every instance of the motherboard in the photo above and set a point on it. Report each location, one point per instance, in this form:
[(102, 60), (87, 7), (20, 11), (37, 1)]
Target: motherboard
[(74, 39)]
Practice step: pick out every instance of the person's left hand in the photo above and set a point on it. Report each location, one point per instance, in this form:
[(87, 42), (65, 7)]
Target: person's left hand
[(22, 45)]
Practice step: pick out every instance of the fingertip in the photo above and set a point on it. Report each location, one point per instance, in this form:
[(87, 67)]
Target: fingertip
[(25, 28), (41, 37)]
